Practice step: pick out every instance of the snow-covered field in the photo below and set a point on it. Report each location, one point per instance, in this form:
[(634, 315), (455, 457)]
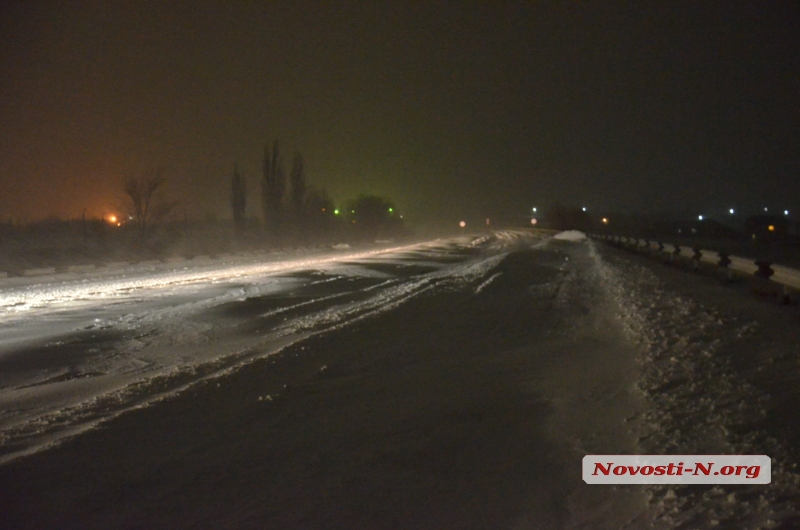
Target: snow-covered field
[(461, 379)]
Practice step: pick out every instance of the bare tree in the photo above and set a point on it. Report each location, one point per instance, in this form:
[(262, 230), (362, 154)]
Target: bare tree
[(273, 188), (238, 197), (145, 204), (298, 181)]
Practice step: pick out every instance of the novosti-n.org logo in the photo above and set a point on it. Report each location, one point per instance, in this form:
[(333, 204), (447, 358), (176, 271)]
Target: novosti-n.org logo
[(677, 469)]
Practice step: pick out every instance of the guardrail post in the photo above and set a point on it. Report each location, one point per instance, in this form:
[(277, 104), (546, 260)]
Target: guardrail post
[(764, 287), (764, 269), (786, 299), (675, 253), (724, 261), (696, 257)]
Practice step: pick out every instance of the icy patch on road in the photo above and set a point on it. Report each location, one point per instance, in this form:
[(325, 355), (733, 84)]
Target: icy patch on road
[(699, 404)]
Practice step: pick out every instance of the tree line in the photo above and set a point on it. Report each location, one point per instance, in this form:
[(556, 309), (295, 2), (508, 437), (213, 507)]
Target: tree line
[(292, 208)]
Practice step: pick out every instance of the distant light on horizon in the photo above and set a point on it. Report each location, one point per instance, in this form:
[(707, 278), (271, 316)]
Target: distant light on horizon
[(534, 221), (534, 209), (731, 210), (462, 224), (584, 208), (700, 217), (605, 221), (765, 208), (786, 212)]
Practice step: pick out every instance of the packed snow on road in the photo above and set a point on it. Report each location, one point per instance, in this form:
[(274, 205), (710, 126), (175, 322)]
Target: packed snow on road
[(451, 383)]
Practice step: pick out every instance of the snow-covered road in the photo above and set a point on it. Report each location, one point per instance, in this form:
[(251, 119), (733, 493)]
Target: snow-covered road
[(455, 383), (77, 350)]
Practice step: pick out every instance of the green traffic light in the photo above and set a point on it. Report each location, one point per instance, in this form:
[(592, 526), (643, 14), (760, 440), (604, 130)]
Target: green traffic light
[(336, 211)]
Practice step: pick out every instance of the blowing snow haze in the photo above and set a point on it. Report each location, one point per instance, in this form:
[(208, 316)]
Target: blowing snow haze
[(446, 108), (234, 292)]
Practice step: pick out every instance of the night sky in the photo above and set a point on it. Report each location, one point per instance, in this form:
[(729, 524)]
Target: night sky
[(445, 107)]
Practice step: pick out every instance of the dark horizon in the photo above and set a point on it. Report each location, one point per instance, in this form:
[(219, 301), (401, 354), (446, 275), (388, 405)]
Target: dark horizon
[(447, 110)]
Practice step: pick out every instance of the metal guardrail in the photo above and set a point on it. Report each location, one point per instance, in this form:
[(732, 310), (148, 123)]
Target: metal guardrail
[(764, 269)]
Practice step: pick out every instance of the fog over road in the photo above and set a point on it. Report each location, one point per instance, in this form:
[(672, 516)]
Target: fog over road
[(456, 383)]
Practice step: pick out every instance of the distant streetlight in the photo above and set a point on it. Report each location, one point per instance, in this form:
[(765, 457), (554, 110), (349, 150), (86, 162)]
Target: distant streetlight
[(765, 208), (584, 208), (534, 221), (534, 209), (731, 210), (462, 224), (700, 217), (605, 221), (786, 212)]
